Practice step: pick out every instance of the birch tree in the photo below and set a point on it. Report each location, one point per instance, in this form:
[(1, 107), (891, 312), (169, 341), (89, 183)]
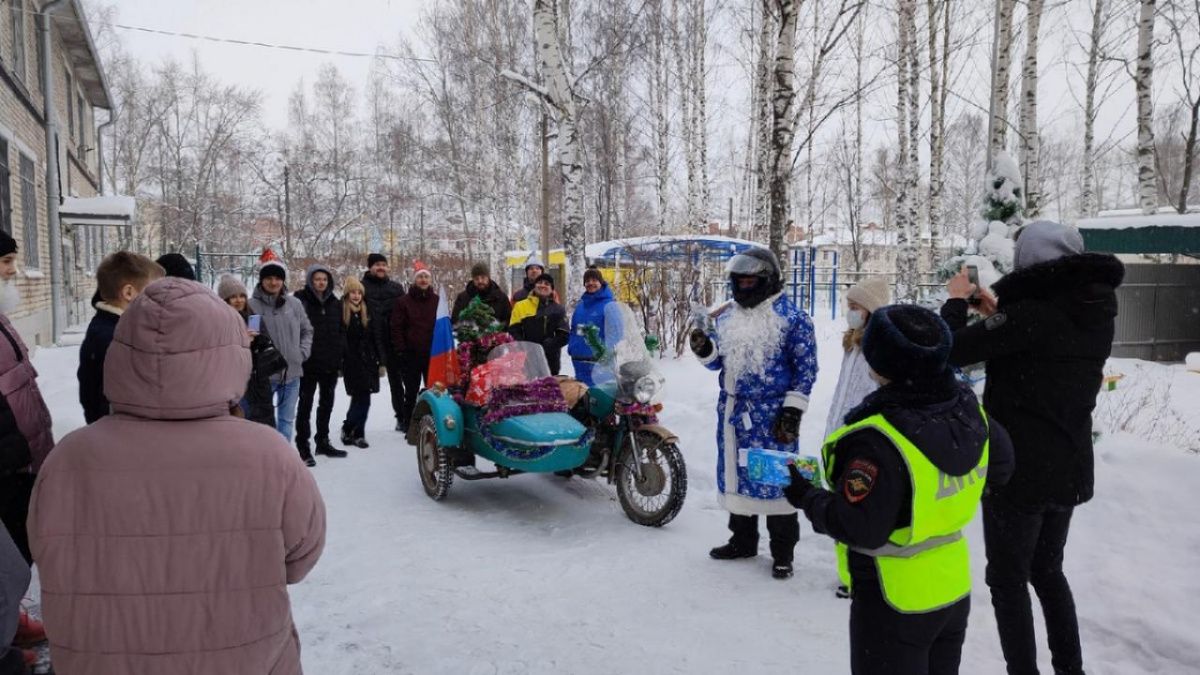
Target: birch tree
[(557, 92), (782, 101), (1183, 20), (939, 88), (1144, 81), (907, 121), (1000, 76), (763, 118), (1028, 120), (1087, 197)]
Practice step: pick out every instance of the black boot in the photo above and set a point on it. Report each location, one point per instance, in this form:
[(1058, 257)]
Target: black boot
[(305, 453), (781, 570), (325, 448), (347, 438), (730, 552), (361, 442)]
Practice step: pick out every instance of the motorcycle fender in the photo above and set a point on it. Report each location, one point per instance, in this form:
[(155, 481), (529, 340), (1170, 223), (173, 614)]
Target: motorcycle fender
[(447, 416), (663, 433)]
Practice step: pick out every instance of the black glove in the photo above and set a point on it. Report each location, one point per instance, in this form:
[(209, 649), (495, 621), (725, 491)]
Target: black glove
[(799, 487), (700, 343), (787, 425)]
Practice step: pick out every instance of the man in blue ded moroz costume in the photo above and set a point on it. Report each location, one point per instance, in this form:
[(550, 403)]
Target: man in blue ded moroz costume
[(765, 350)]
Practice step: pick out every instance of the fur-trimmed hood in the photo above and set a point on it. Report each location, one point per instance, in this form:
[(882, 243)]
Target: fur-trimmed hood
[(1083, 285)]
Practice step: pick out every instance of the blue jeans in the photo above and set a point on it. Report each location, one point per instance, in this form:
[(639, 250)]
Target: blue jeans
[(356, 416), (287, 395)]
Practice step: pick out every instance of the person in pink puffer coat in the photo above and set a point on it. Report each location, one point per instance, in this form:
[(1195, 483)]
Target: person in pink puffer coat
[(166, 533)]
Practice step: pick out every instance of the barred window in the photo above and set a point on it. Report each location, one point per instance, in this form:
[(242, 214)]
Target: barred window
[(5, 189), (18, 33), (29, 220)]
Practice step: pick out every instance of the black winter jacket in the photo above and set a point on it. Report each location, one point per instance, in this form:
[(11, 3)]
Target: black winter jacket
[(1045, 350), (492, 295), (91, 364), (325, 314), (942, 419), (381, 296), (361, 361), (547, 327)]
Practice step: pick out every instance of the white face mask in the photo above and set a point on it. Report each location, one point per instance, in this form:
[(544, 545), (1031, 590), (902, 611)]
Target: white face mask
[(856, 319), (10, 296)]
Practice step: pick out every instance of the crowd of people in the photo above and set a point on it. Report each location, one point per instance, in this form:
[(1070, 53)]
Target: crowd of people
[(157, 562)]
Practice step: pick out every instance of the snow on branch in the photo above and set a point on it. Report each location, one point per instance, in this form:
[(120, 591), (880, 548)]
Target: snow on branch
[(529, 84)]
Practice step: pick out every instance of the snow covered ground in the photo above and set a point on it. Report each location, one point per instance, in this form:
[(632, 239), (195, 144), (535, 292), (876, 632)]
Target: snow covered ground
[(539, 574)]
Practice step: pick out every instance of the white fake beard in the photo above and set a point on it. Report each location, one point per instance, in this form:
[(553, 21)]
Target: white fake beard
[(750, 336), (10, 296)]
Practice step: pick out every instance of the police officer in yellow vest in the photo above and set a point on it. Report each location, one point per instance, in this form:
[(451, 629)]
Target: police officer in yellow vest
[(905, 476)]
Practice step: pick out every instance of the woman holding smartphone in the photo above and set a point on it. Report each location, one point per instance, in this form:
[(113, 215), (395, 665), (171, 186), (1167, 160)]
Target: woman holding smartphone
[(257, 404)]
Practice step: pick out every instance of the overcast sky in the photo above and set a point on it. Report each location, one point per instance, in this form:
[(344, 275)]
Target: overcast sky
[(346, 25)]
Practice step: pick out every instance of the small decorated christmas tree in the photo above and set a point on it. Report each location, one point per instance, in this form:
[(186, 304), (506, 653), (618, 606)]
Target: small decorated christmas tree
[(477, 332), (990, 241)]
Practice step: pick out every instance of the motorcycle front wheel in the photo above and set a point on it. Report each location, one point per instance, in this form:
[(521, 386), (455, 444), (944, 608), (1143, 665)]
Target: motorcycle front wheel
[(652, 493)]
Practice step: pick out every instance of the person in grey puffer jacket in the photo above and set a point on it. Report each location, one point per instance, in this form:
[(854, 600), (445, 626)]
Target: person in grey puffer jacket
[(287, 323), (14, 581)]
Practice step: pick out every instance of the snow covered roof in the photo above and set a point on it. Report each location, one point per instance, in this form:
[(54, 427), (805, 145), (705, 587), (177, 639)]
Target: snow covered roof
[(670, 246), (1126, 222), (1159, 233), (106, 210)]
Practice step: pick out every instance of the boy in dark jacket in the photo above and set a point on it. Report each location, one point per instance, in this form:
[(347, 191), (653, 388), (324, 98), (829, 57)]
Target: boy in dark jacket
[(119, 279), (320, 378), (1045, 342), (906, 475), (538, 318)]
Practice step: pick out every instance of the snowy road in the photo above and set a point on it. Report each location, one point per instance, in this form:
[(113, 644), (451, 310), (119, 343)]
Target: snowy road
[(539, 574)]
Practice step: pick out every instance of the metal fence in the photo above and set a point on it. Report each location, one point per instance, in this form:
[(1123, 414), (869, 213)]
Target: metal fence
[(1159, 317)]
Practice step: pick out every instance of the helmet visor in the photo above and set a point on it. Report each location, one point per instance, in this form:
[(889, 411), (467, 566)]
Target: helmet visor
[(748, 265)]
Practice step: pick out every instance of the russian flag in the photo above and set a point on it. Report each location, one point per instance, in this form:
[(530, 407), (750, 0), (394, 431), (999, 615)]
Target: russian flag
[(443, 366)]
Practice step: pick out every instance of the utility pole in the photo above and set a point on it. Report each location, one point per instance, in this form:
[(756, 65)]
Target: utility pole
[(391, 234), (422, 229), (287, 207), (731, 230), (546, 193)]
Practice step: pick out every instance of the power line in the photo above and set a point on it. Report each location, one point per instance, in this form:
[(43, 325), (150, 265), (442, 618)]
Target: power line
[(240, 43), (267, 45)]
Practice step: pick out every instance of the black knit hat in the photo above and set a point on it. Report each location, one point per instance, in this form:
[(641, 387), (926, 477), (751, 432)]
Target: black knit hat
[(177, 266), (376, 258), (272, 268), (593, 273), (546, 278), (7, 244), (905, 343), (481, 269)]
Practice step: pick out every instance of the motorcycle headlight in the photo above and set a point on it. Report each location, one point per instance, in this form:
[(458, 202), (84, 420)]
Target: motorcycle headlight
[(645, 389)]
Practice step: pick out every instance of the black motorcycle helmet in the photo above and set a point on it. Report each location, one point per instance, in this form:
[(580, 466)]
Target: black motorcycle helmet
[(763, 266)]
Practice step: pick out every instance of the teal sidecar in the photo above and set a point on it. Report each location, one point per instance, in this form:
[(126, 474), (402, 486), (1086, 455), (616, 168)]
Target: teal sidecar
[(449, 433)]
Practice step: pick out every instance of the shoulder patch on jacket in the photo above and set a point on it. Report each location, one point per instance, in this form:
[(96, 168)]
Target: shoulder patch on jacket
[(859, 480), (995, 321)]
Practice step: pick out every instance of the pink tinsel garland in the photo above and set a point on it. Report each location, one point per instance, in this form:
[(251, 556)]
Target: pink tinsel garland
[(474, 353), (538, 396)]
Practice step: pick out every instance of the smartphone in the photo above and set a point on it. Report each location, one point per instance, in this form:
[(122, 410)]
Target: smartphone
[(254, 323), (973, 277)]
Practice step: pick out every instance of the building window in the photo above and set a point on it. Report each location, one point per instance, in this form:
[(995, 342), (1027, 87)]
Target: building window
[(70, 102), (83, 139), (5, 189), (29, 213), (18, 34)]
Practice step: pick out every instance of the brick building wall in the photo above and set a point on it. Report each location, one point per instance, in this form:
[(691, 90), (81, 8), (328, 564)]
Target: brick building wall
[(21, 127)]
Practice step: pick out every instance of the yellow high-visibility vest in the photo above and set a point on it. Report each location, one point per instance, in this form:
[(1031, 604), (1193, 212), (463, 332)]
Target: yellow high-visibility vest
[(925, 566)]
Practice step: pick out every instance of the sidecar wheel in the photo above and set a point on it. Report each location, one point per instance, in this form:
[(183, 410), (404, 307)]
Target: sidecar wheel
[(656, 497), (433, 462)]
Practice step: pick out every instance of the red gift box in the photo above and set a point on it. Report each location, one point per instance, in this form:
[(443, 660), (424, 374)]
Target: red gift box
[(503, 371)]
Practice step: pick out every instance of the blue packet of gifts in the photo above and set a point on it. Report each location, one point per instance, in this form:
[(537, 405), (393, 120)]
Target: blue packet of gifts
[(770, 467)]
